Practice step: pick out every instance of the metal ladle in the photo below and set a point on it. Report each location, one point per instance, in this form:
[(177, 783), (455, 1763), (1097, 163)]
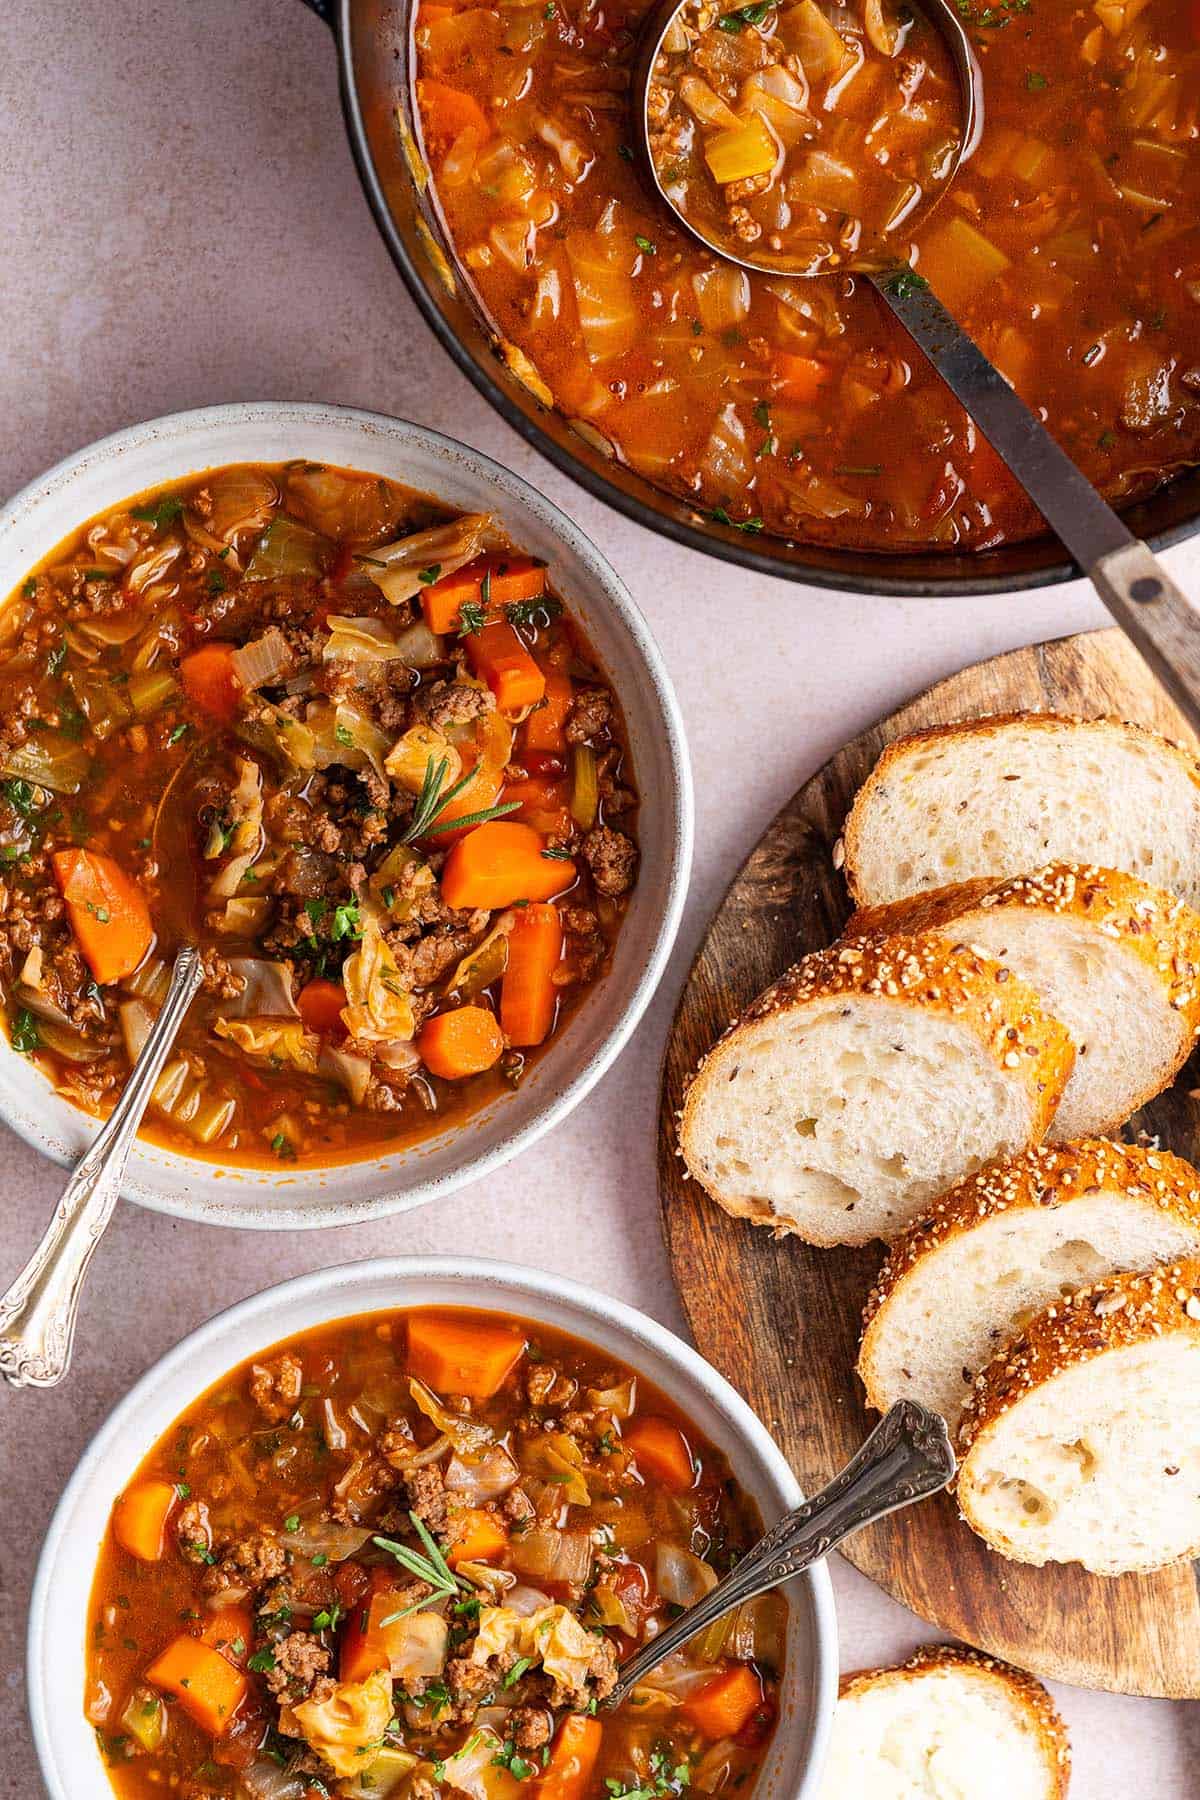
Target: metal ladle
[(906, 1458), (1133, 584)]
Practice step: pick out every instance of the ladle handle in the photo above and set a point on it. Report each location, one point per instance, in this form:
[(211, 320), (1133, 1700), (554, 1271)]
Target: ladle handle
[(37, 1314), (906, 1458), (1143, 599)]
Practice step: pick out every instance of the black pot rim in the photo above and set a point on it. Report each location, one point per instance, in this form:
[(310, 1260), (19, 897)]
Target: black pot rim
[(878, 577)]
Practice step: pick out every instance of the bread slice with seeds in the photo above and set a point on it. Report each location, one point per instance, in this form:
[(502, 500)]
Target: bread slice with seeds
[(865, 1081), (1000, 795), (1118, 961), (1007, 1242), (947, 1722), (1081, 1441)]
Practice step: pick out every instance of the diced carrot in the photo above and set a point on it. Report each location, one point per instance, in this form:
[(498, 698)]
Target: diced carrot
[(209, 681), (206, 1685), (321, 1004), (106, 910), (511, 578), (463, 1356), (361, 1650), (543, 804), (483, 1538), (572, 1758), (463, 1042), (140, 1518), (726, 1703), (482, 791), (501, 862), (497, 655), (544, 727), (231, 1631), (661, 1451), (447, 110), (799, 378), (527, 993)]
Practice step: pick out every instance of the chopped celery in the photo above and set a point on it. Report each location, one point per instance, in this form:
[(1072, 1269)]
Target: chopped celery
[(585, 787), (151, 690)]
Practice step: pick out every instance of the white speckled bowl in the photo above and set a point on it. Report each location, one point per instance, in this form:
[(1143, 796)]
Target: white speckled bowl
[(165, 449), (66, 1743)]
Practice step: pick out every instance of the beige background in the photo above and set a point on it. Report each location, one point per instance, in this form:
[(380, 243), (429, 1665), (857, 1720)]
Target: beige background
[(179, 224)]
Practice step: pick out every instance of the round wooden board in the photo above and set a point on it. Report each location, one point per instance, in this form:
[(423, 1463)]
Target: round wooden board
[(781, 1320)]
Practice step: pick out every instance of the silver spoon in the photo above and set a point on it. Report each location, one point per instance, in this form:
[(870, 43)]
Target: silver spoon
[(1145, 602), (37, 1314), (906, 1458)]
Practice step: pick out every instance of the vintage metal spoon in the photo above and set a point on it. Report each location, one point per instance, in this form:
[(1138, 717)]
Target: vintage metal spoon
[(1136, 588), (906, 1458), (37, 1314)]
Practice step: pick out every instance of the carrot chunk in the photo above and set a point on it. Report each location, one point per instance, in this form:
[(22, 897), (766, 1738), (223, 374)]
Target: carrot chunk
[(206, 1685), (499, 657), (726, 1703), (447, 110), (483, 1538), (528, 996), (545, 726), (662, 1452), (501, 862), (507, 578), (542, 804), (231, 1631), (362, 1650), (107, 913), (463, 1042), (799, 378), (462, 1356), (321, 1004), (140, 1518), (209, 680), (572, 1758)]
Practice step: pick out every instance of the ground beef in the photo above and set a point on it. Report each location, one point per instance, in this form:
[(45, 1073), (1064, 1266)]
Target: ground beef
[(612, 858), (299, 1659), (591, 714), (546, 1387), (531, 1726), (193, 1532), (275, 1387), (250, 1562), (219, 976), (517, 1506), (427, 1497), (435, 954), (468, 1683), (452, 703)]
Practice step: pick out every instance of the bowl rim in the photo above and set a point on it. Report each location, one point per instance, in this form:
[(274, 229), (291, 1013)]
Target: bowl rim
[(478, 1275), (878, 577), (325, 1210)]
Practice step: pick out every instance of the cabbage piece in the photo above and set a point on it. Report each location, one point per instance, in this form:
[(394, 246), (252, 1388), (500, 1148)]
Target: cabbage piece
[(379, 1004), (345, 736), (148, 569), (343, 505), (350, 1724), (276, 732), (409, 758), (473, 1769), (349, 1071), (681, 1577), (397, 569), (552, 1637), (480, 1479), (242, 499), (359, 640), (619, 1401), (265, 1779), (558, 1458), (486, 963), (552, 1555), (278, 1041), (287, 548), (415, 1644), (601, 271), (386, 1772), (268, 990), (49, 760), (245, 823), (402, 879), (468, 1436), (263, 661), (145, 1719), (324, 1537)]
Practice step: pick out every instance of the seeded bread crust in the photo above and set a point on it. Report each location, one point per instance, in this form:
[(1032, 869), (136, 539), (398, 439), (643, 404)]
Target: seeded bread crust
[(1154, 925), (846, 850), (1005, 1015), (1022, 1689), (1114, 1314), (1046, 1176)]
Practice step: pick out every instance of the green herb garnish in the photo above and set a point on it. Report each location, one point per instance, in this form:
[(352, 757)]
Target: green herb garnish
[(159, 512), (24, 1032)]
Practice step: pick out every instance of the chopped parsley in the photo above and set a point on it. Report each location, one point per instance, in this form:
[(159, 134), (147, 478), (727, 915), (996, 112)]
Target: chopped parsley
[(471, 618), (19, 794), (24, 1032), (427, 577), (646, 245), (720, 516), (29, 588), (745, 15), (178, 732), (343, 735), (664, 1779), (509, 1757), (532, 612), (215, 581), (100, 913), (518, 1669), (159, 512), (292, 1522), (1035, 81), (261, 1661)]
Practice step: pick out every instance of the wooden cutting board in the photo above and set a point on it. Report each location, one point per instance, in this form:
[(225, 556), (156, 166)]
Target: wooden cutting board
[(781, 1320)]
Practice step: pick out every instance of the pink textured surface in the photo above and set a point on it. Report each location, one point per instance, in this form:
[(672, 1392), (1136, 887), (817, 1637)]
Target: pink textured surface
[(181, 224)]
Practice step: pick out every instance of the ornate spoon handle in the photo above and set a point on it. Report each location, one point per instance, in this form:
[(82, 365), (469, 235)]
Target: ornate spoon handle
[(906, 1458), (37, 1314)]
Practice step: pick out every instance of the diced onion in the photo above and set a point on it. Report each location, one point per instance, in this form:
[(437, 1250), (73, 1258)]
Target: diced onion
[(263, 661), (681, 1577)]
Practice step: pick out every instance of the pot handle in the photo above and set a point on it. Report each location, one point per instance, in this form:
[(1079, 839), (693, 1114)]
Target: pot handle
[(323, 10)]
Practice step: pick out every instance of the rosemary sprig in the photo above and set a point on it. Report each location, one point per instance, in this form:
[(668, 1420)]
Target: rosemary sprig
[(431, 801), (431, 1568)]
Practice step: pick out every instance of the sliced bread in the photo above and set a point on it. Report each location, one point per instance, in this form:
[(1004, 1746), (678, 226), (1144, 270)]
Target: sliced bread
[(1118, 961), (1007, 1242), (949, 1724), (1000, 795), (1081, 1441), (865, 1081)]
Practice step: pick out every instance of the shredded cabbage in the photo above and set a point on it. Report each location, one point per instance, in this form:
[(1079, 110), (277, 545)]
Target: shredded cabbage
[(273, 1040), (401, 569), (379, 1003), (350, 1723)]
